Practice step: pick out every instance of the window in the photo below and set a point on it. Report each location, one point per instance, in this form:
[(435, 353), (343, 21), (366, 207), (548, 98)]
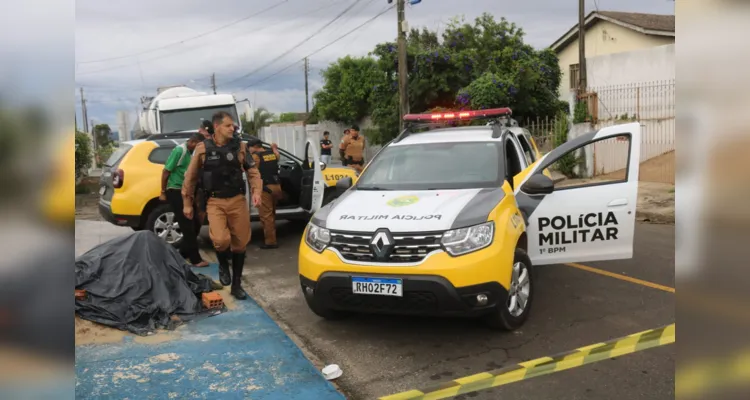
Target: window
[(575, 74), (160, 155), (117, 155), (513, 160), (528, 151), (600, 163), (428, 166), (189, 119)]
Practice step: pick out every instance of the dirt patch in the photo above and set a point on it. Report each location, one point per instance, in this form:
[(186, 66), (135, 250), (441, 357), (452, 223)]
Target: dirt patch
[(88, 332), (87, 207), (659, 169)]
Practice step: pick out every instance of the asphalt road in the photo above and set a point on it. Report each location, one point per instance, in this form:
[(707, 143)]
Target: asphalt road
[(382, 355)]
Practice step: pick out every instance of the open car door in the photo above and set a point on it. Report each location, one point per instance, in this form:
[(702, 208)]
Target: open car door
[(313, 184), (590, 219)]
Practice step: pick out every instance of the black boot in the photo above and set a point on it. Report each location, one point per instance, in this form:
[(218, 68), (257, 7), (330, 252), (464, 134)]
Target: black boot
[(238, 262), (223, 257)]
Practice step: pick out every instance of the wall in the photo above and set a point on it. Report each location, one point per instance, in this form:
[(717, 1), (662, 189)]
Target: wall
[(601, 39), (292, 138), (652, 64)]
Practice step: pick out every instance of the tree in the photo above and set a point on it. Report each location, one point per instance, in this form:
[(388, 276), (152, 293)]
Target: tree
[(102, 134), (473, 65), (261, 118), (288, 117), (83, 154), (345, 96)]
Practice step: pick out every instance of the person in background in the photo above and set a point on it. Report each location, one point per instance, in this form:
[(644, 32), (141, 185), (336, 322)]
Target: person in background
[(325, 149), (268, 165), (172, 178), (341, 152), (353, 149), (206, 129), (221, 161)]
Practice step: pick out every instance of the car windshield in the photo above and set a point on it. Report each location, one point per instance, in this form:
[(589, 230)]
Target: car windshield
[(432, 166), (190, 119)]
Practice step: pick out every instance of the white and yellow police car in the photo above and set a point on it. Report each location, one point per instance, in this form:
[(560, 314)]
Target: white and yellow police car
[(452, 220)]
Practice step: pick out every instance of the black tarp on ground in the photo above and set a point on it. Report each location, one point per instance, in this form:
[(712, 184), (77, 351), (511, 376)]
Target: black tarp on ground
[(136, 283)]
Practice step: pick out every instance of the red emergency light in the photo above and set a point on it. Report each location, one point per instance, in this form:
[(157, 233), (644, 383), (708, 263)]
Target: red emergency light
[(459, 115)]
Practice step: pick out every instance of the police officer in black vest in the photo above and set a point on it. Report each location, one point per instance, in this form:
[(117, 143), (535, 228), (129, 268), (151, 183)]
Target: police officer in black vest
[(221, 161), (267, 161)]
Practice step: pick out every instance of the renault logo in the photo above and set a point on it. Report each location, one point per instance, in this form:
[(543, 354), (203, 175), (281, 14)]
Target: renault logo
[(382, 244)]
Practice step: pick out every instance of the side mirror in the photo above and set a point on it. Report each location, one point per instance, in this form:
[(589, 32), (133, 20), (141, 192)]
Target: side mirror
[(538, 184), (322, 165), (343, 185)]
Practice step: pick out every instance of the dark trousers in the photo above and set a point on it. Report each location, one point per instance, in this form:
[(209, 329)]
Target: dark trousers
[(189, 245)]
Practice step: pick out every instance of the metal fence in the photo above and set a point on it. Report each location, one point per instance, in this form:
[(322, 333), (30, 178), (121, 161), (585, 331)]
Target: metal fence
[(653, 105), (650, 103)]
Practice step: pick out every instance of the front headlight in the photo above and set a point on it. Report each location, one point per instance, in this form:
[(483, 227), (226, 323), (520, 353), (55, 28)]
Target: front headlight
[(465, 240), (317, 238)]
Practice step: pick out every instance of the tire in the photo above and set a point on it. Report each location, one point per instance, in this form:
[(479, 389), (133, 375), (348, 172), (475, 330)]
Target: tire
[(322, 311), (502, 317), (159, 216)]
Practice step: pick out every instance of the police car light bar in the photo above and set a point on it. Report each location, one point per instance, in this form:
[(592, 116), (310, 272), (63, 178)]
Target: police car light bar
[(459, 115)]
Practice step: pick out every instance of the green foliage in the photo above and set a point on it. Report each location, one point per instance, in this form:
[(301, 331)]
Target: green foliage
[(288, 117), (83, 154), (261, 118), (581, 113), (101, 133), (567, 164), (345, 96), (103, 152), (472, 65)]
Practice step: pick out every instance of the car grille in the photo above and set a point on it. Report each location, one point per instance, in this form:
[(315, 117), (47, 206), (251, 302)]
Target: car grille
[(411, 301), (409, 248)]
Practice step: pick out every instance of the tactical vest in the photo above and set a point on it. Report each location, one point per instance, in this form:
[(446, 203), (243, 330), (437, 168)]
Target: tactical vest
[(355, 149), (222, 172), (268, 167)]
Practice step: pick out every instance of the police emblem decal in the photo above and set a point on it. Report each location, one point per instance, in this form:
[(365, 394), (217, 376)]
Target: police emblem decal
[(402, 201), (230, 156)]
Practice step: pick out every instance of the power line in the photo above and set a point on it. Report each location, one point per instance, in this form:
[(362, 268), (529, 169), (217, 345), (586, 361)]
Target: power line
[(319, 50), (297, 45), (182, 51), (188, 39)]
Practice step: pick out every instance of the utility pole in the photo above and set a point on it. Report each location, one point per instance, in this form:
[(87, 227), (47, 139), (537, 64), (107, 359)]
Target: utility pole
[(403, 95), (581, 48), (307, 96), (213, 82), (84, 114)]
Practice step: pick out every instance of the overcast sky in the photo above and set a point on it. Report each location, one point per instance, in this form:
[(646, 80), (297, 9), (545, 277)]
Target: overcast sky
[(126, 49)]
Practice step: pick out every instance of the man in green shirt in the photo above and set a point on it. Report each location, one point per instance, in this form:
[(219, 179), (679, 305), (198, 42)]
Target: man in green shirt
[(171, 192)]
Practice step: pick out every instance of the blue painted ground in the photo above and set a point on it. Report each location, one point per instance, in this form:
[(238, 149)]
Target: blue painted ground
[(241, 354)]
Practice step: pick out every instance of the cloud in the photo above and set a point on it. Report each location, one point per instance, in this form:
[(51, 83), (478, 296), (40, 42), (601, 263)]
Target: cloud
[(108, 30)]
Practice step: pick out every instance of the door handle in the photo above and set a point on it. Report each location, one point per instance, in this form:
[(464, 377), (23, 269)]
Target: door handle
[(618, 203)]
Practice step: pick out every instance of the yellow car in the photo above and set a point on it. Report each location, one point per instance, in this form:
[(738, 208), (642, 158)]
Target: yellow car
[(453, 221), (58, 202), (130, 185)]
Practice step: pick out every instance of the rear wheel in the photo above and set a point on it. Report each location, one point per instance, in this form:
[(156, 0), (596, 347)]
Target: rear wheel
[(163, 223), (512, 314)]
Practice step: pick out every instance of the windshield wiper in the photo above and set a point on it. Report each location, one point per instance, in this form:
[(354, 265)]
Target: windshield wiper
[(371, 188)]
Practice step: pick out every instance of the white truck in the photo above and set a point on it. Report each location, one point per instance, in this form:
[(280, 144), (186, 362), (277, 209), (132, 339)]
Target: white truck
[(181, 109)]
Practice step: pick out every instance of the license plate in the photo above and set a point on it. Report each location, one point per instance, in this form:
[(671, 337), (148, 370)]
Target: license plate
[(102, 190), (377, 286)]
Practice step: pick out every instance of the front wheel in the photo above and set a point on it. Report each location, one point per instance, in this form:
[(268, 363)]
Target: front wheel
[(513, 313)]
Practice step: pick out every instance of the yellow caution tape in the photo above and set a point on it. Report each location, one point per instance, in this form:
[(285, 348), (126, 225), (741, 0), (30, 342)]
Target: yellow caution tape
[(698, 379), (543, 366)]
